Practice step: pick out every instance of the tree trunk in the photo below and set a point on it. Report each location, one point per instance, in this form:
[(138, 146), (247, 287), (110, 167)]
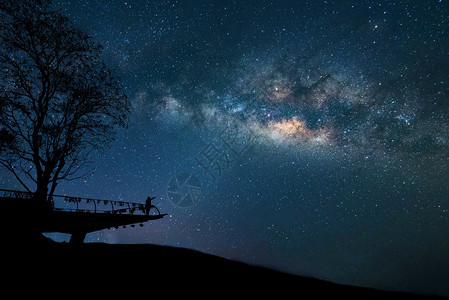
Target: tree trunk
[(41, 203)]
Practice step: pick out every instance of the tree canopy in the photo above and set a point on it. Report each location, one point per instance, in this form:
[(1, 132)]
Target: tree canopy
[(59, 102)]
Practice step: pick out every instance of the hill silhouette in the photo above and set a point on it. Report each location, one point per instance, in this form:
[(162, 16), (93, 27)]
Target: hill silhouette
[(127, 269)]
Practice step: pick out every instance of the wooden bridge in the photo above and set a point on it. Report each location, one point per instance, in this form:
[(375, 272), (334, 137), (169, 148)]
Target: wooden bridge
[(73, 215)]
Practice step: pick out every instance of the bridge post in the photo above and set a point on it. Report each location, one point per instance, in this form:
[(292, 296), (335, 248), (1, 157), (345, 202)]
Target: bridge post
[(77, 238)]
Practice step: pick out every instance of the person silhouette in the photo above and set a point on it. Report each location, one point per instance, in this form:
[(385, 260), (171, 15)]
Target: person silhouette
[(148, 205)]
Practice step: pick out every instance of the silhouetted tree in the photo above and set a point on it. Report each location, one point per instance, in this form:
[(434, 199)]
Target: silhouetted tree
[(58, 100)]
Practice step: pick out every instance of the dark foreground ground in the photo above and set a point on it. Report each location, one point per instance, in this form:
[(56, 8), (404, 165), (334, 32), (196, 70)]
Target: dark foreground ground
[(46, 268)]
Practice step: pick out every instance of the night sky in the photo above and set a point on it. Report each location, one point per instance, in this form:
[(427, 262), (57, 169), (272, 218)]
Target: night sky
[(307, 136)]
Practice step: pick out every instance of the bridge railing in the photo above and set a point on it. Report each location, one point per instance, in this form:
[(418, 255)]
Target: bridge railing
[(81, 204), (15, 194)]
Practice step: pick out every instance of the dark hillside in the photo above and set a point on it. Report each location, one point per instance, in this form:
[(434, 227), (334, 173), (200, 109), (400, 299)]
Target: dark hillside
[(123, 269)]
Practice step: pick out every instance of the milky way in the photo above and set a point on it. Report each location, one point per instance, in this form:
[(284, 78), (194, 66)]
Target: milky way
[(289, 99), (307, 136)]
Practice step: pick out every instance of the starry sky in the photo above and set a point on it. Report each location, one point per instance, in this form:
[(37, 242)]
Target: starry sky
[(307, 136)]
